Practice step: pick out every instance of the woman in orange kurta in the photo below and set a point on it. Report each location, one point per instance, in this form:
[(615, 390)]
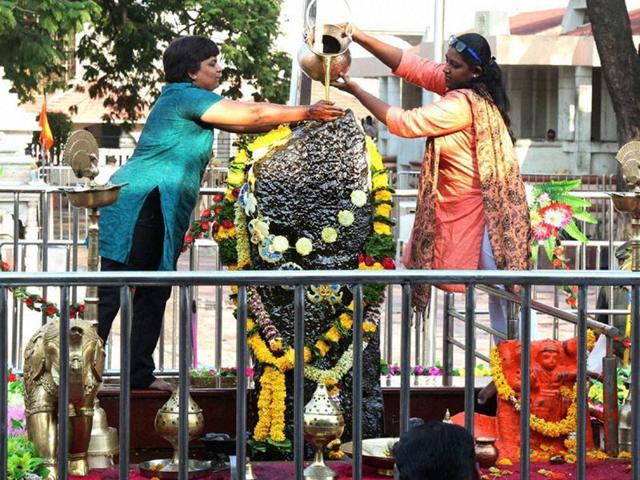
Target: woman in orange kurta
[(472, 211)]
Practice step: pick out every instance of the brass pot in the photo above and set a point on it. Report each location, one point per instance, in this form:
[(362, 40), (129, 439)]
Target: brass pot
[(313, 65), (486, 452)]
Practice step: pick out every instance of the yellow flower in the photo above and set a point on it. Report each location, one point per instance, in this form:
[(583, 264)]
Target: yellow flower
[(383, 195), (376, 158), (381, 228), (369, 327), (383, 209), (275, 345), (307, 354), (505, 462), (241, 158), (336, 454), (333, 334), (535, 217), (322, 347), (329, 381), (346, 321), (234, 289), (224, 233), (235, 178), (380, 180)]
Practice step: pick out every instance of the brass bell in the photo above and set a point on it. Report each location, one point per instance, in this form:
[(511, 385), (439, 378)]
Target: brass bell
[(103, 446)]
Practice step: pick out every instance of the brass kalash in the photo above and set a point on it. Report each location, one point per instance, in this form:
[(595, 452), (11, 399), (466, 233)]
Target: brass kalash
[(629, 202), (86, 349), (324, 54)]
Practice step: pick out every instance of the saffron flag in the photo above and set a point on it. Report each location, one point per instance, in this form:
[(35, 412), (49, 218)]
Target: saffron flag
[(46, 137)]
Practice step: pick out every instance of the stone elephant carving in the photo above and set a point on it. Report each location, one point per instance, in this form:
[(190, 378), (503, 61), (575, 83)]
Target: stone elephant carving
[(41, 379)]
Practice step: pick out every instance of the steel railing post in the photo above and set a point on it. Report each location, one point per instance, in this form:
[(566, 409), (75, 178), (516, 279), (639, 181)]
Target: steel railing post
[(525, 387)]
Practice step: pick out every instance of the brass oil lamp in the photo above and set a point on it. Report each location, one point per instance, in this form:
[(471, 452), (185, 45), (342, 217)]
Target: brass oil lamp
[(323, 422), (629, 202)]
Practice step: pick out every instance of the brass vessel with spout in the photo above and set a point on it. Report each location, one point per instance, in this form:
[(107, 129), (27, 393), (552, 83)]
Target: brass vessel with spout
[(324, 55)]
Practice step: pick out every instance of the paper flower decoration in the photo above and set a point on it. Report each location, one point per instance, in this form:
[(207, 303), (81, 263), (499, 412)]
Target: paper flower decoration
[(267, 252), (325, 293), (259, 229)]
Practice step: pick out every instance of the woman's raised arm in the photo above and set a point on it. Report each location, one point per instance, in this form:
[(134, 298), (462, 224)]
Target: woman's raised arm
[(240, 114)]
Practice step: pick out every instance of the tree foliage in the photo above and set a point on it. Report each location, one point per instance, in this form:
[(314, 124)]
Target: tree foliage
[(34, 41), (122, 42)]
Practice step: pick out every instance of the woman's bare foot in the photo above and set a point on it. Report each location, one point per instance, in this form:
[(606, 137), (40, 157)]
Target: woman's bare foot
[(487, 393), (162, 385)]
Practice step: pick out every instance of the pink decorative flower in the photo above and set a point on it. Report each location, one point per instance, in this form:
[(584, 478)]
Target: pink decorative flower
[(541, 231), (16, 416)]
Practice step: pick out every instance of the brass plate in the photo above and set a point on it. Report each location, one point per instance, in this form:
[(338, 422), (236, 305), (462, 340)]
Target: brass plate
[(164, 469), (376, 453)]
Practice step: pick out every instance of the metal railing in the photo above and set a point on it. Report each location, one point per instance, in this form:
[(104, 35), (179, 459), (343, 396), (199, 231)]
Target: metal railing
[(186, 280), (59, 223)]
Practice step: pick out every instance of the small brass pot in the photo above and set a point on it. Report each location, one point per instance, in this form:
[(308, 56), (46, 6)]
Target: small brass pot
[(486, 452)]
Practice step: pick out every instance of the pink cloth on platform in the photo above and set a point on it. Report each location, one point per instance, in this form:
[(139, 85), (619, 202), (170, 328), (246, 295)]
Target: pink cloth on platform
[(459, 211), (263, 470), (607, 470)]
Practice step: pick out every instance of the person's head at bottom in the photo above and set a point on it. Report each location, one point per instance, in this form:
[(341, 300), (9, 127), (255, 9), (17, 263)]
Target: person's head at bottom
[(436, 451)]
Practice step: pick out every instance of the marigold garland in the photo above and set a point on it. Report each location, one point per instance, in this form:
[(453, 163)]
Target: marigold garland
[(228, 220), (537, 424)]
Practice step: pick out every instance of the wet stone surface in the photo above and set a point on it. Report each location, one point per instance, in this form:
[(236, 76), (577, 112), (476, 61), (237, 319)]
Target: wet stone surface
[(301, 188)]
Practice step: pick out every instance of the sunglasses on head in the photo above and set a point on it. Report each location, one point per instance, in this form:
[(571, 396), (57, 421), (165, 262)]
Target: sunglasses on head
[(460, 47)]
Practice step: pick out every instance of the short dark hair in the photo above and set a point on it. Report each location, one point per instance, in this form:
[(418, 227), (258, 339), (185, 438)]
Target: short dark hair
[(435, 451), (184, 55)]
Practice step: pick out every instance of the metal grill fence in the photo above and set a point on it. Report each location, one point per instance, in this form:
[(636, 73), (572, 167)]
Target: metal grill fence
[(186, 280)]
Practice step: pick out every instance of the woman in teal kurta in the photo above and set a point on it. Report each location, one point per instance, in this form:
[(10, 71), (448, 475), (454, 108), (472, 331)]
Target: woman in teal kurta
[(144, 229)]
